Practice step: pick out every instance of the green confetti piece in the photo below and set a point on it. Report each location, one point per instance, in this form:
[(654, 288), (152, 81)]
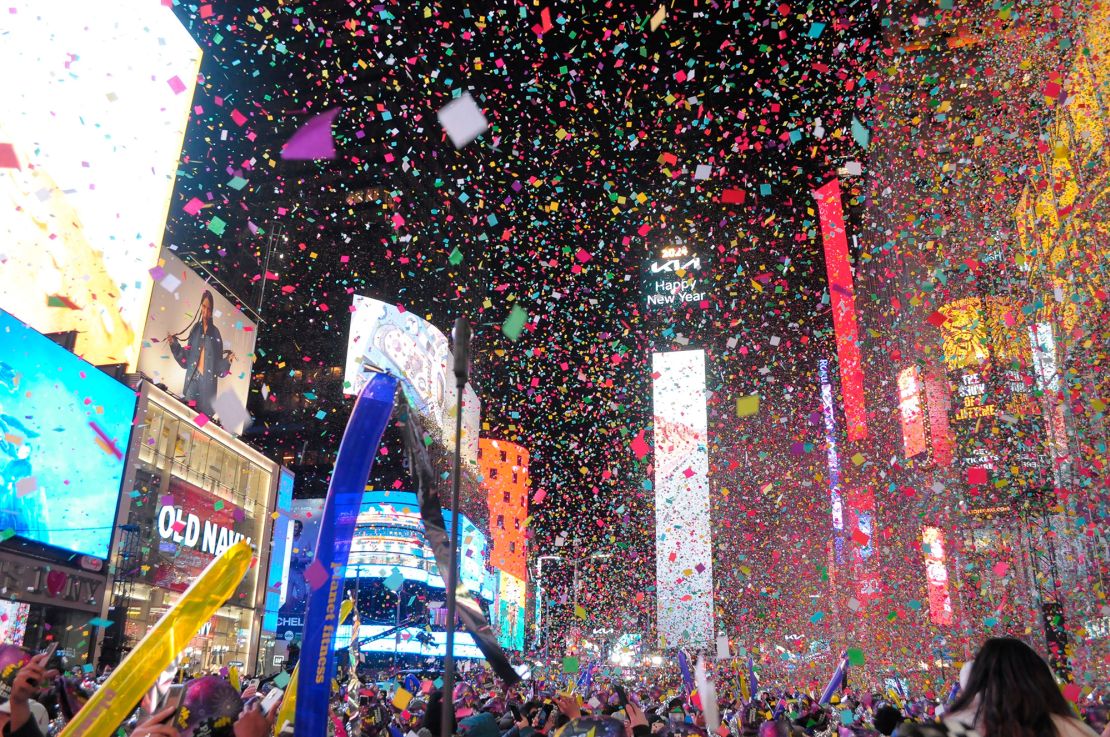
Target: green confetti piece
[(570, 665), (455, 257), (217, 226), (855, 656), (514, 323)]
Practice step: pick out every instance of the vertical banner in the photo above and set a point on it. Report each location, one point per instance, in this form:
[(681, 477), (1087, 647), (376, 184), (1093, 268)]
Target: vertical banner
[(843, 296), (683, 534), (326, 573)]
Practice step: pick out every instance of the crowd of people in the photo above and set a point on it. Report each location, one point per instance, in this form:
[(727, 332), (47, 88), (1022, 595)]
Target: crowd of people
[(1008, 690)]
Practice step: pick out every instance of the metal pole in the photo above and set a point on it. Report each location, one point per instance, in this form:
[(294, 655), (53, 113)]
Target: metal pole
[(462, 356)]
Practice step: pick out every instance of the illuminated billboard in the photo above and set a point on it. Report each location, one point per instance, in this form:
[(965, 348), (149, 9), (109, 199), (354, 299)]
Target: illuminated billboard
[(306, 515), (843, 297), (683, 538), (912, 411), (64, 431), (836, 501), (504, 469), (672, 279), (198, 344), (389, 537), (510, 612), (281, 550), (936, 575), (385, 337), (94, 119)]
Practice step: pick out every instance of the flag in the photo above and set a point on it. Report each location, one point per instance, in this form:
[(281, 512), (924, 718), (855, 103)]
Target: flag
[(687, 677), (431, 514), (357, 450), (115, 700), (708, 693), (752, 681), (839, 677), (352, 649)]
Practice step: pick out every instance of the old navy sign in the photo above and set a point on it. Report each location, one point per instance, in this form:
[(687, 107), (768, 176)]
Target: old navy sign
[(189, 530)]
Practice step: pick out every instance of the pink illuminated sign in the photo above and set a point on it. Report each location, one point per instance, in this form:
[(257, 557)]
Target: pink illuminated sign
[(842, 294), (936, 575)]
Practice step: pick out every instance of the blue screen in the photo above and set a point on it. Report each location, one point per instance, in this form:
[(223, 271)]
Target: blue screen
[(64, 431)]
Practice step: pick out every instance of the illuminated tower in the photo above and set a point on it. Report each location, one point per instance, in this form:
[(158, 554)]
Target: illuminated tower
[(504, 468)]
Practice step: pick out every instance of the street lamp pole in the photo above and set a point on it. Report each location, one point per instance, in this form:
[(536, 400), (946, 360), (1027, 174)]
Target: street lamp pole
[(544, 629)]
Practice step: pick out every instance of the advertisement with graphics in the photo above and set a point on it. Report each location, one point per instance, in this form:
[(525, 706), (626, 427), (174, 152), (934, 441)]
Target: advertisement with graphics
[(194, 527), (384, 337), (91, 126), (198, 344), (510, 613), (673, 279), (306, 528), (64, 431)]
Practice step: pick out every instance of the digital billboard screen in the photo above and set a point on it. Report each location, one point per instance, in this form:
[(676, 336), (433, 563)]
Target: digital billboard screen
[(198, 344), (64, 431), (93, 122), (683, 537), (385, 337)]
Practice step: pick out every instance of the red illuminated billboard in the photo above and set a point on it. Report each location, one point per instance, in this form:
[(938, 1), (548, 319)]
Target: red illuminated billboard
[(842, 295)]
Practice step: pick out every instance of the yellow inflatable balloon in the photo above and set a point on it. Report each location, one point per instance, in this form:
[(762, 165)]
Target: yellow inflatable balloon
[(112, 704)]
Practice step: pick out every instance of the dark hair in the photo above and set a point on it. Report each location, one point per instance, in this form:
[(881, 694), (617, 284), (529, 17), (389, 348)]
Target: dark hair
[(887, 718), (1017, 695), (207, 295)]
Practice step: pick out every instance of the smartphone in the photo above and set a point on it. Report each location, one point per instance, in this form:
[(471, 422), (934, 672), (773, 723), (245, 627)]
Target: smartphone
[(271, 700), (622, 696), (175, 697), (48, 651), (515, 712)]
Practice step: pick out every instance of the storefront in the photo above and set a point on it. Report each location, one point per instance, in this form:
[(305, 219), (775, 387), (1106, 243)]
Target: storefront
[(46, 602), (191, 491)]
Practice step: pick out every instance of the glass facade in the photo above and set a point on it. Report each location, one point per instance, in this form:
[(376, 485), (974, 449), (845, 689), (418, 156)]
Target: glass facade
[(193, 495)]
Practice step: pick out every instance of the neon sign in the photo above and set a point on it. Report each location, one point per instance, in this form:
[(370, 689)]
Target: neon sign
[(843, 297), (936, 574)]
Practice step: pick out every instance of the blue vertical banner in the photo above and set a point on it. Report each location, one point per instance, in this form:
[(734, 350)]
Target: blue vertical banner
[(327, 572), (836, 682)]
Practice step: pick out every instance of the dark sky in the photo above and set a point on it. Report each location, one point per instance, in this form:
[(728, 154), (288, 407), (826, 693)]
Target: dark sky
[(597, 125)]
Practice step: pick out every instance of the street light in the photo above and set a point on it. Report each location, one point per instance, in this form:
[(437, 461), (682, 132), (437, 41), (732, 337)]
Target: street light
[(540, 603)]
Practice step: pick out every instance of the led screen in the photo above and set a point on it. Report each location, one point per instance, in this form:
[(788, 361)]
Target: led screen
[(836, 501), (389, 536), (683, 559), (936, 575), (198, 344), (389, 541), (95, 118), (13, 621), (294, 587), (384, 337), (843, 297), (65, 431), (281, 550), (510, 612), (913, 413)]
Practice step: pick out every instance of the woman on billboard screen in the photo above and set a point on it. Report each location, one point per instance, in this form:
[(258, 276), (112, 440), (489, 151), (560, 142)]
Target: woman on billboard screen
[(202, 356)]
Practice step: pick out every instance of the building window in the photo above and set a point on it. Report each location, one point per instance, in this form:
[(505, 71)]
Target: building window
[(479, 452), (504, 456), (512, 546), (501, 522), (516, 479), (518, 461), (516, 524), (493, 473), (507, 497)]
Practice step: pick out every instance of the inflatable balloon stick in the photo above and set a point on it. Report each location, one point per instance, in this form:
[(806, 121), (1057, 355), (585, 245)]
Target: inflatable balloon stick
[(112, 704)]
